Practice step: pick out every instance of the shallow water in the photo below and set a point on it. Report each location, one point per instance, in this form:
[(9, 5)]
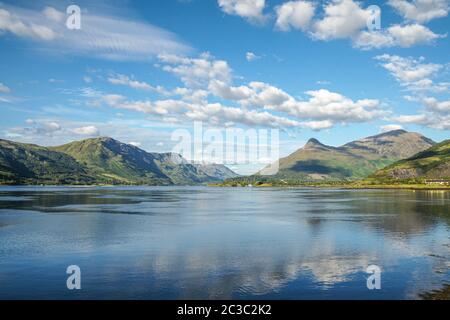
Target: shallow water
[(221, 243)]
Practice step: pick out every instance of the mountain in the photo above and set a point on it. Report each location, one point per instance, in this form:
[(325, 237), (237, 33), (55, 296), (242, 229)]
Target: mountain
[(433, 163), (100, 160), (181, 171), (354, 160), (27, 163), (112, 161), (218, 171)]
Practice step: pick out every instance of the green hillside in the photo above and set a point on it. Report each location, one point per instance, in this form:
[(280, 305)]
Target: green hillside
[(433, 163), (115, 162), (29, 164), (100, 161)]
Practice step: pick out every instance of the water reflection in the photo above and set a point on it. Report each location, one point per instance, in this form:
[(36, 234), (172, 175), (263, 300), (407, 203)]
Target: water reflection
[(212, 243)]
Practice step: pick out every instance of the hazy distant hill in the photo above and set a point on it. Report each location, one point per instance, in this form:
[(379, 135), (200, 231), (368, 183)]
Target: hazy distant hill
[(100, 160), (354, 160), (433, 163)]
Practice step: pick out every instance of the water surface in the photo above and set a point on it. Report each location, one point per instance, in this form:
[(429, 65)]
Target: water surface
[(222, 243)]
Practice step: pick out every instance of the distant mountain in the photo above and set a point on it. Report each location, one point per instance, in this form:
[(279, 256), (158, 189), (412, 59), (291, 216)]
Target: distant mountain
[(218, 171), (433, 163), (354, 160), (27, 163), (100, 160)]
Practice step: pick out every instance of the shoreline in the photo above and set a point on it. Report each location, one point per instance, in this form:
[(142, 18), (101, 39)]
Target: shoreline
[(267, 185)]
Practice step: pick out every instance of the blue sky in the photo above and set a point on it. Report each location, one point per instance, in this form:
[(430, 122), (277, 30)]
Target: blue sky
[(138, 70)]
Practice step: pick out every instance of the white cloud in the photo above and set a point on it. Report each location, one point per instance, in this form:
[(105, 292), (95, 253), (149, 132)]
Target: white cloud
[(213, 113), (250, 56), (109, 37), (390, 127), (24, 28), (197, 72), (37, 128), (409, 35), (135, 144), (408, 70), (327, 105), (430, 119), (342, 19), (403, 36), (421, 10), (4, 89), (53, 14), (323, 104), (435, 105), (318, 125), (347, 19), (120, 79), (295, 15), (413, 74), (412, 119), (206, 77), (252, 10), (86, 131)]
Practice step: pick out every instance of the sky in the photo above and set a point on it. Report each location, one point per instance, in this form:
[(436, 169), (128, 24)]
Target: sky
[(138, 71)]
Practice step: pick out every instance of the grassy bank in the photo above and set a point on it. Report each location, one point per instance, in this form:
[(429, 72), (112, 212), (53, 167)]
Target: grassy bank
[(337, 185)]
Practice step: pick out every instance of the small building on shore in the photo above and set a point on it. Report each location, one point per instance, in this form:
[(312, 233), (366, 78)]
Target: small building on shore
[(442, 182)]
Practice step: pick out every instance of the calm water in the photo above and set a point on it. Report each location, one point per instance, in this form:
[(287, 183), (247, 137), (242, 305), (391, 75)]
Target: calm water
[(197, 243)]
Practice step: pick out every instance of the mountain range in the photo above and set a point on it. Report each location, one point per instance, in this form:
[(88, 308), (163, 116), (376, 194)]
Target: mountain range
[(391, 156), (101, 161), (352, 161)]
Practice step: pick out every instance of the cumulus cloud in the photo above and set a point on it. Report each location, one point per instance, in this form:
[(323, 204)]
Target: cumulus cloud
[(413, 74), (211, 77), (342, 19), (347, 19), (86, 131), (197, 72), (409, 35), (326, 105), (435, 105), (4, 88), (104, 36), (427, 119), (322, 104), (421, 10), (295, 15), (412, 119), (252, 10), (436, 114), (397, 35), (390, 127), (213, 113), (318, 125)]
